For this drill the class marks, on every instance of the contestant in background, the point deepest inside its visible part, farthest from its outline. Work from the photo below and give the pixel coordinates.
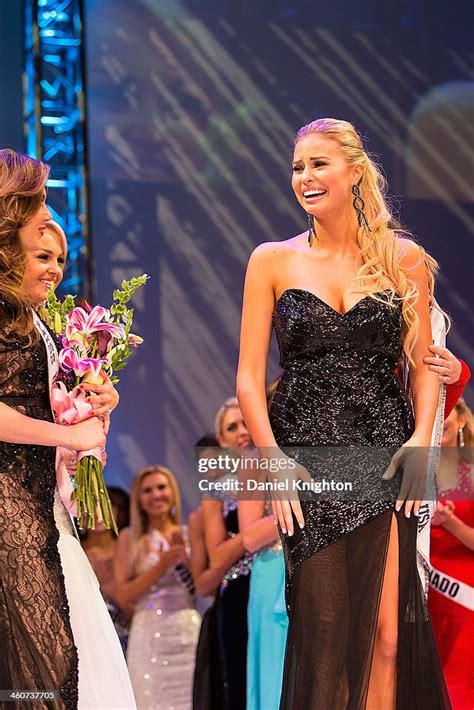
(99, 545)
(54, 622)
(225, 550)
(451, 595)
(267, 617)
(206, 578)
(151, 572)
(209, 691)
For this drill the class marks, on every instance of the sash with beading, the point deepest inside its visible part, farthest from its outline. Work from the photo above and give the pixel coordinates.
(63, 479)
(427, 508)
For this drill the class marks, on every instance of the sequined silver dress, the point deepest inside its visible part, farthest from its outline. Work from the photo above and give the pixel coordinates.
(339, 389)
(163, 637)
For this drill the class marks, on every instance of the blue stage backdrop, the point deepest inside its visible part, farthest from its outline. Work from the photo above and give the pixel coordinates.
(11, 68)
(192, 110)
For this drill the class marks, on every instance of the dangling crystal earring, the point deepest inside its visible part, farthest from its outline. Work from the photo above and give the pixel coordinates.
(359, 206)
(172, 511)
(311, 229)
(461, 441)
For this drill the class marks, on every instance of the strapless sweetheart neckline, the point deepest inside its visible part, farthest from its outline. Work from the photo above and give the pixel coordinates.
(324, 303)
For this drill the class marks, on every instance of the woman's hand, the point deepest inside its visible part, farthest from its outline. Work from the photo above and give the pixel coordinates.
(69, 459)
(170, 558)
(284, 507)
(104, 398)
(443, 513)
(177, 538)
(89, 434)
(412, 457)
(444, 363)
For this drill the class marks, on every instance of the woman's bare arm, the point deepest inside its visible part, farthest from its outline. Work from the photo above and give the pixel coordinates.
(17, 428)
(461, 530)
(257, 529)
(424, 382)
(206, 579)
(255, 334)
(223, 550)
(413, 455)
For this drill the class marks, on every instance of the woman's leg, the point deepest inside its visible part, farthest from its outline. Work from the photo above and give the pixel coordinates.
(383, 675)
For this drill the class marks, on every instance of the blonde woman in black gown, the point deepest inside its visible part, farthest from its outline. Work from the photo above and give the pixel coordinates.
(345, 299)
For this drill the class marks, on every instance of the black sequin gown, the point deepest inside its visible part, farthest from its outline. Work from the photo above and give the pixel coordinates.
(339, 388)
(220, 672)
(38, 651)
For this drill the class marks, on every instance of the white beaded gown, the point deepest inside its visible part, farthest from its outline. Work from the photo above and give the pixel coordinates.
(163, 637)
(103, 677)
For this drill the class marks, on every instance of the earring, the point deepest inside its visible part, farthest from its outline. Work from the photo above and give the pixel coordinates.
(461, 441)
(311, 229)
(172, 510)
(359, 206)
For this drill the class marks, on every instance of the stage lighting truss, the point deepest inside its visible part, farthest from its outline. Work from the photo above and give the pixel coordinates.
(55, 123)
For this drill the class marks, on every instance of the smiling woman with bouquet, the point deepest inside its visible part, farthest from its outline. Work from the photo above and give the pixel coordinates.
(59, 645)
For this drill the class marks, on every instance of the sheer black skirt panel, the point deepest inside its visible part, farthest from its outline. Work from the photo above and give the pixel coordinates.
(335, 599)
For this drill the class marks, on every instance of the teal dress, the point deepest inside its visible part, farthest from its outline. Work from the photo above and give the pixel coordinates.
(267, 629)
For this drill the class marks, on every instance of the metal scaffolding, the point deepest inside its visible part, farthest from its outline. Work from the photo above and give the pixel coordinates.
(55, 123)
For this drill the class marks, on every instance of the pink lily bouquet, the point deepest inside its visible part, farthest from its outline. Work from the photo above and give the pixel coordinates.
(93, 339)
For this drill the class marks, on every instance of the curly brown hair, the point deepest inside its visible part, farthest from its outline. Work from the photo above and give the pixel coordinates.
(22, 180)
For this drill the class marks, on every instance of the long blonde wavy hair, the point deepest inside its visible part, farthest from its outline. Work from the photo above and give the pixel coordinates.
(22, 180)
(380, 247)
(138, 518)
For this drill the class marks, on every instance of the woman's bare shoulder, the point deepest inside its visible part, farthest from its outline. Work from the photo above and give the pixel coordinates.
(410, 251)
(195, 519)
(124, 538)
(271, 252)
(195, 516)
(413, 259)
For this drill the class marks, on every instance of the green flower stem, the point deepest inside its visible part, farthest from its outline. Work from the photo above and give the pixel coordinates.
(91, 495)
